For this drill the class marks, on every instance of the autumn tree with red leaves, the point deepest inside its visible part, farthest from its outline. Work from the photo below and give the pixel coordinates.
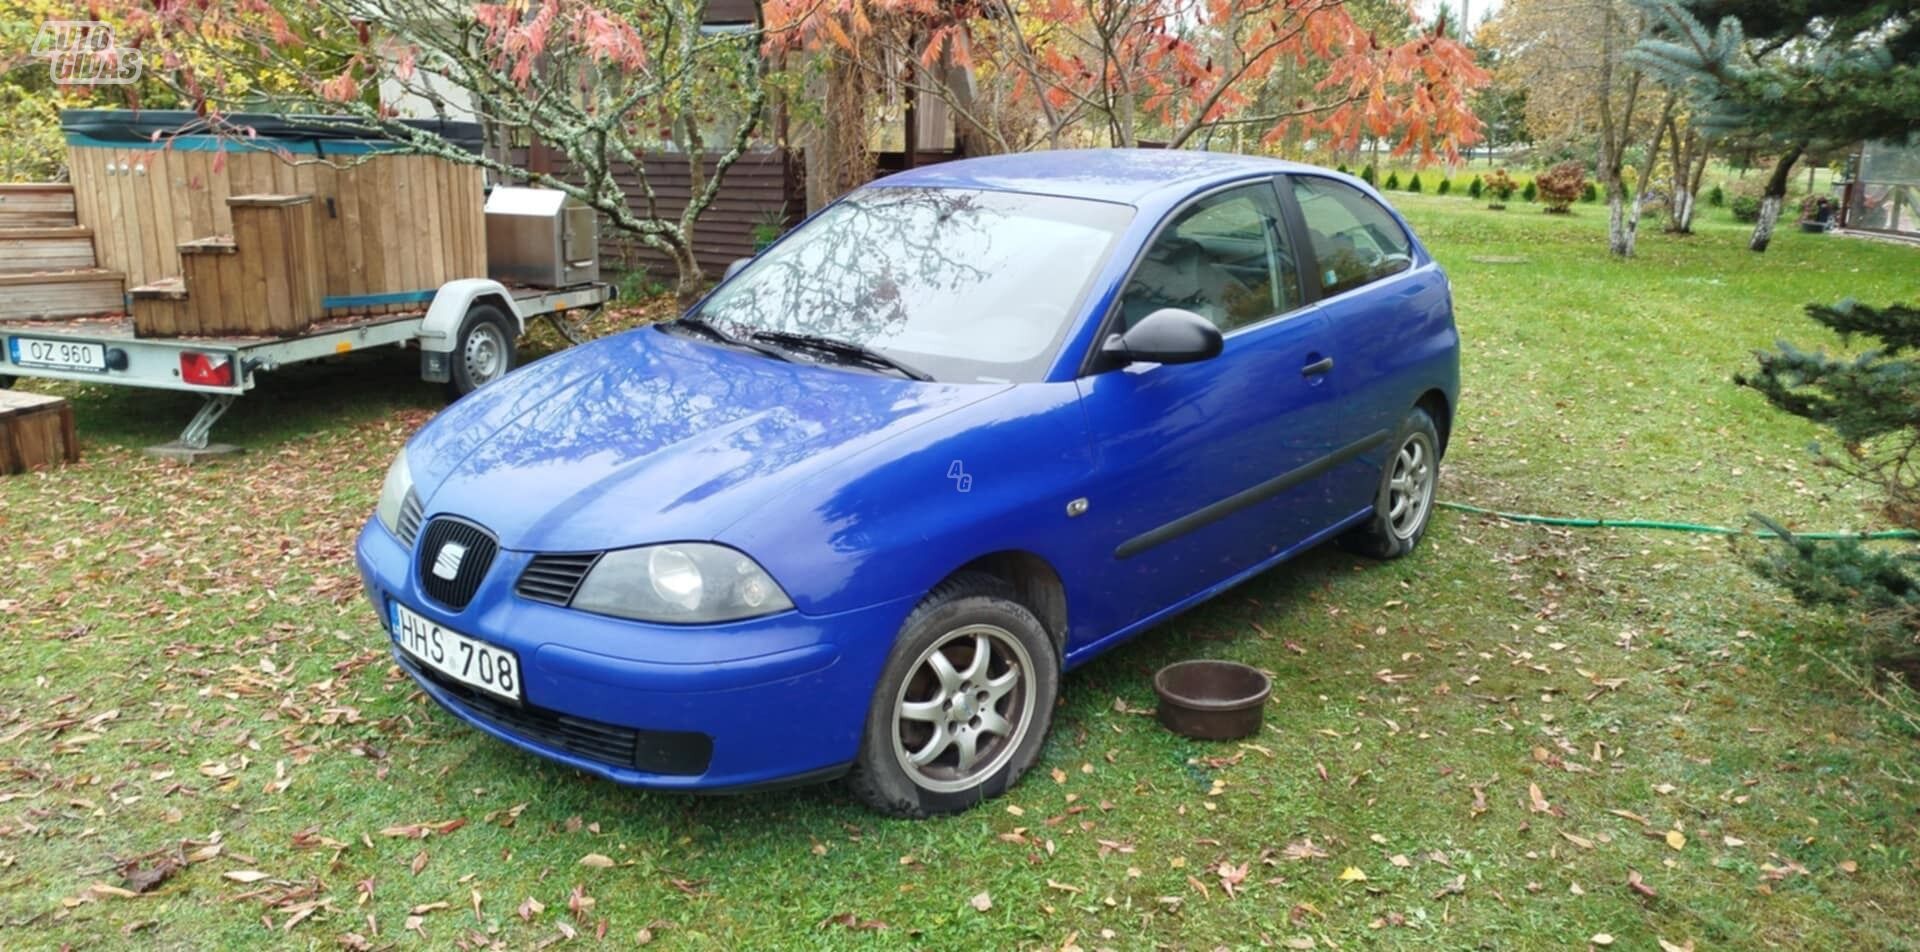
(1052, 73)
(603, 82)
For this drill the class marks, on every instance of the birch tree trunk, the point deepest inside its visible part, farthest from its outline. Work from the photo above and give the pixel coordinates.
(1645, 178)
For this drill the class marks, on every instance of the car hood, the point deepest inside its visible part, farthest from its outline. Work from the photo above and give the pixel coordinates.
(649, 437)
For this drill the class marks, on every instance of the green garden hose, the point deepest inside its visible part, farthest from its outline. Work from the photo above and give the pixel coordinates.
(1669, 526)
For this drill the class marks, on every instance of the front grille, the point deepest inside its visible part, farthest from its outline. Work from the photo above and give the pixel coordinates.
(474, 557)
(411, 512)
(684, 753)
(554, 578)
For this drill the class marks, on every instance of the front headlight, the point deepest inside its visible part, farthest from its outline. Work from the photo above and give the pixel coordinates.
(680, 583)
(393, 495)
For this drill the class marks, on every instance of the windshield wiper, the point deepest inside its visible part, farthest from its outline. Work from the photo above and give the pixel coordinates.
(707, 329)
(845, 350)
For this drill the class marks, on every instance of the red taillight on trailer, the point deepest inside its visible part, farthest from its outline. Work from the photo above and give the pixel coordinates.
(206, 370)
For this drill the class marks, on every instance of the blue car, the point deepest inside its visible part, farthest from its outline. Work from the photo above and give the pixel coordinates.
(970, 426)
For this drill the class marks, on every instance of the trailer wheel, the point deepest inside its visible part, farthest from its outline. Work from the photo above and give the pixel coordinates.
(482, 352)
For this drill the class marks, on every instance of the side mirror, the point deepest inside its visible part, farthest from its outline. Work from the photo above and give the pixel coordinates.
(1167, 336)
(734, 268)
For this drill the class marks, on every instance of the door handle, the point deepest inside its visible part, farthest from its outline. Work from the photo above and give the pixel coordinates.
(1317, 368)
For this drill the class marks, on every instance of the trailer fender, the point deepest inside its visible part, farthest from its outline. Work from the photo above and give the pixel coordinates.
(450, 306)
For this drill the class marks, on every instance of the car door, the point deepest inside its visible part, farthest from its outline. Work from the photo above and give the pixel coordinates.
(1207, 470)
(1386, 313)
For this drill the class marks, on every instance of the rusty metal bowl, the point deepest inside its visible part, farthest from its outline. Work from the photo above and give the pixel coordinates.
(1212, 700)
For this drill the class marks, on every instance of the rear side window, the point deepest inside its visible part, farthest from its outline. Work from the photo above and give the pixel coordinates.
(1355, 240)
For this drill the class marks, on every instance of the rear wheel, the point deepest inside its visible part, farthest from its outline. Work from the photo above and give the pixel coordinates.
(963, 705)
(1404, 501)
(6, 382)
(483, 351)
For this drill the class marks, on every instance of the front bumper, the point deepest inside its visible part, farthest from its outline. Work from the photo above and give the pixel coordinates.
(742, 704)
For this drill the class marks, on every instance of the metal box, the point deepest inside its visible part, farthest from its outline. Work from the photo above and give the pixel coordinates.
(541, 238)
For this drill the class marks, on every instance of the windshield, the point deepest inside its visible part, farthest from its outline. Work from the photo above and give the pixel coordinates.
(966, 285)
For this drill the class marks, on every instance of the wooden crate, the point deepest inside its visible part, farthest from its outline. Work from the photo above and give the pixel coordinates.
(35, 430)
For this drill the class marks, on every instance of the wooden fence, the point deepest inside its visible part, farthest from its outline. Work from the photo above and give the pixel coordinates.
(763, 187)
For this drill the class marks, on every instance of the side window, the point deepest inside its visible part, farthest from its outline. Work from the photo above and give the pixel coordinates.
(1354, 239)
(1223, 257)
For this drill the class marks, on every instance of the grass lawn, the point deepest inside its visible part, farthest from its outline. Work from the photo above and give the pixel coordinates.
(1520, 737)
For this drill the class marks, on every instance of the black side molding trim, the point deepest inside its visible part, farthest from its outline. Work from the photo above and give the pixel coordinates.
(1214, 512)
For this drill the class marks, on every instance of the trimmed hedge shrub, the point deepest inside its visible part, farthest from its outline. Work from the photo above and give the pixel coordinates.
(1367, 175)
(1413, 184)
(1446, 185)
(1475, 187)
(1529, 193)
(1393, 181)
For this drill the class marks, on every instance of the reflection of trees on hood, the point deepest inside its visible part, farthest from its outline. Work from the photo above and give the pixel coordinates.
(631, 400)
(853, 274)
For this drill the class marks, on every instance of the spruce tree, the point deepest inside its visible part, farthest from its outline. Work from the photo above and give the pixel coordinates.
(1804, 73)
(1872, 404)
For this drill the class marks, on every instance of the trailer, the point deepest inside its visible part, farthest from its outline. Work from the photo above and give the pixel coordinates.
(466, 338)
(181, 259)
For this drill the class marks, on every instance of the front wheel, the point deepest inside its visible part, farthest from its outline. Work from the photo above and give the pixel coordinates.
(1404, 502)
(483, 351)
(963, 705)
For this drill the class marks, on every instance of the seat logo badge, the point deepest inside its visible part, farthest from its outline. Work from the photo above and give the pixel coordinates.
(446, 565)
(1077, 507)
(961, 480)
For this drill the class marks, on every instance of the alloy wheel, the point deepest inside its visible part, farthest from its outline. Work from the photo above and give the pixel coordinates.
(963, 709)
(1410, 487)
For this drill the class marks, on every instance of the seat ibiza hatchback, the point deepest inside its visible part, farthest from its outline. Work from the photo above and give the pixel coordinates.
(964, 429)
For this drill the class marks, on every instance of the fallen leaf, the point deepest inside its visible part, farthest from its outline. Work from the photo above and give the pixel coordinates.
(145, 880)
(597, 861)
(1536, 801)
(846, 919)
(245, 875)
(530, 908)
(1676, 839)
(1352, 874)
(1601, 938)
(1639, 885)
(981, 902)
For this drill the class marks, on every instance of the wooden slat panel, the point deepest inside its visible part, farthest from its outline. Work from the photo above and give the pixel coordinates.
(35, 431)
(36, 205)
(80, 293)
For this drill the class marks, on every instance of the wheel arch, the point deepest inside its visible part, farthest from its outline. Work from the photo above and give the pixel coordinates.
(440, 329)
(1437, 406)
(1036, 584)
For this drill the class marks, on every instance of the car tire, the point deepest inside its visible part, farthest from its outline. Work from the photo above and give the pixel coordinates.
(927, 715)
(6, 382)
(483, 350)
(1403, 504)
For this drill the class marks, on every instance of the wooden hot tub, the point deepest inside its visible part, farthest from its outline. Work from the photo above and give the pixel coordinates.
(336, 223)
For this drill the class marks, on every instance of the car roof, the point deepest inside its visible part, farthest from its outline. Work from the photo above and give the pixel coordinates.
(1140, 177)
